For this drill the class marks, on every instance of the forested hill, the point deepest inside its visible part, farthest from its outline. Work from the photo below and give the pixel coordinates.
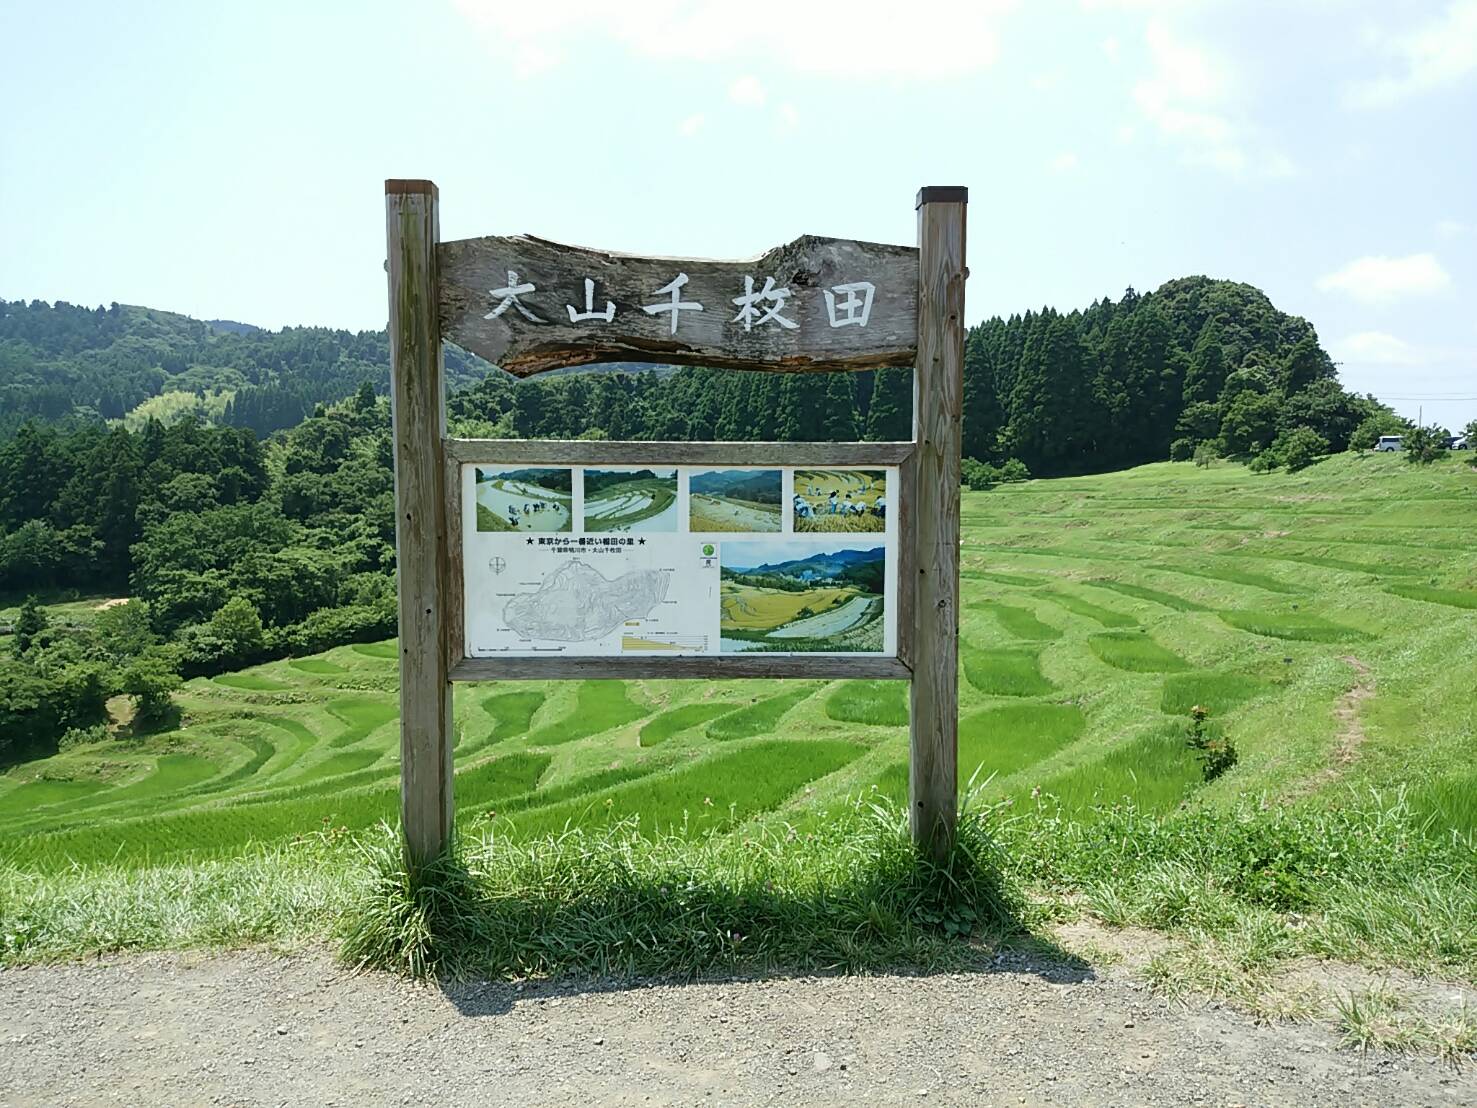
(60, 360)
(1121, 383)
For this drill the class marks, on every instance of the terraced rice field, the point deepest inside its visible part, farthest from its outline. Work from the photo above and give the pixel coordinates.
(1325, 620)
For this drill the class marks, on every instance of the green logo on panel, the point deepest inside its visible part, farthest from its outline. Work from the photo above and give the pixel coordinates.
(708, 550)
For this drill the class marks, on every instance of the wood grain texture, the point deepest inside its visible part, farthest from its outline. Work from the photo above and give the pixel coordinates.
(456, 578)
(418, 415)
(727, 666)
(587, 452)
(907, 552)
(937, 406)
(537, 332)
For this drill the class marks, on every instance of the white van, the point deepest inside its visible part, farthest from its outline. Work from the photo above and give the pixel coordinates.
(1389, 443)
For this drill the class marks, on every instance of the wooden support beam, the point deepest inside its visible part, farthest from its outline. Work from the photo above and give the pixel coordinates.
(938, 393)
(418, 413)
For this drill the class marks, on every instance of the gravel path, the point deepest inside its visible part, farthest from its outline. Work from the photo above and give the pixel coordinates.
(259, 1029)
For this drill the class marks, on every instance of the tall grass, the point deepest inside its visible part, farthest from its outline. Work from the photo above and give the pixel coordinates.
(877, 703)
(1154, 772)
(599, 706)
(1155, 596)
(759, 718)
(1108, 617)
(1452, 598)
(1134, 652)
(1020, 622)
(852, 895)
(675, 720)
(1218, 693)
(1004, 672)
(1300, 626)
(703, 796)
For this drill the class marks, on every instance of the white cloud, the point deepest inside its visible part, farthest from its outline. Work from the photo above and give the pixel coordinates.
(1064, 162)
(873, 38)
(1436, 54)
(1112, 47)
(691, 125)
(789, 117)
(1378, 348)
(1188, 97)
(1379, 280)
(1452, 229)
(747, 91)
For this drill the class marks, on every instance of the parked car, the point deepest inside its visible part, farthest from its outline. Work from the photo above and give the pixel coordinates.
(1463, 442)
(1389, 444)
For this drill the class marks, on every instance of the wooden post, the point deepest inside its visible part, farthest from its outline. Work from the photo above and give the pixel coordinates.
(418, 413)
(938, 393)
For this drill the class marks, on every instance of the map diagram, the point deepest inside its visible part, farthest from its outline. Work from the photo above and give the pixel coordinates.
(577, 603)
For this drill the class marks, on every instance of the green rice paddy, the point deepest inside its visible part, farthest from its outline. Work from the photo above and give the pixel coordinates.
(1096, 613)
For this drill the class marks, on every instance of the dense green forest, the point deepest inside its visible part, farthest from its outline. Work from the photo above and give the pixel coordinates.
(263, 525)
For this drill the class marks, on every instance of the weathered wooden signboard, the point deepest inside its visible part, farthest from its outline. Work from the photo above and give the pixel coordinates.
(563, 559)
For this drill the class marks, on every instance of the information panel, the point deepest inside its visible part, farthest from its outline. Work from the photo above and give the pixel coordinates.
(596, 561)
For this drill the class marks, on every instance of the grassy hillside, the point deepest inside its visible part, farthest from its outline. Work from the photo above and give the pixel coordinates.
(1325, 620)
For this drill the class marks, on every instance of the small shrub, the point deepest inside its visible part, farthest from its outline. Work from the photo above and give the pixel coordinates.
(1206, 454)
(1014, 470)
(83, 736)
(1217, 753)
(1299, 448)
(978, 476)
(1182, 450)
(1265, 462)
(1424, 445)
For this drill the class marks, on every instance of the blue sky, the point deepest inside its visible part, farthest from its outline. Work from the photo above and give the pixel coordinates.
(227, 160)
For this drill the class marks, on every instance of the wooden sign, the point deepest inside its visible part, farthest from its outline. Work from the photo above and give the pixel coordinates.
(528, 305)
(528, 559)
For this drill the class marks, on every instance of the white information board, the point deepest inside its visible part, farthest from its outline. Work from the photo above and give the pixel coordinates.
(593, 561)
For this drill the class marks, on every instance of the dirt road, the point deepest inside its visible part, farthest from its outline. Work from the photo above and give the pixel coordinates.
(259, 1029)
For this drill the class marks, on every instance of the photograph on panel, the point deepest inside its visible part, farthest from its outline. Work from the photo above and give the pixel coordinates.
(840, 500)
(526, 499)
(627, 500)
(802, 596)
(735, 500)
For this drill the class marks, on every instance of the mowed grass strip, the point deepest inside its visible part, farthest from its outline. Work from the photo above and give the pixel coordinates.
(663, 727)
(1108, 617)
(1298, 626)
(704, 796)
(1452, 598)
(1217, 693)
(1231, 576)
(877, 703)
(599, 706)
(1019, 622)
(1004, 672)
(217, 831)
(756, 719)
(1134, 652)
(1016, 579)
(1154, 596)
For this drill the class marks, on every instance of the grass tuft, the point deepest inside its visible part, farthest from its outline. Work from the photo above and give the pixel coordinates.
(852, 896)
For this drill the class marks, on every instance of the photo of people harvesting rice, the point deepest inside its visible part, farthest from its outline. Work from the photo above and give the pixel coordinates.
(802, 597)
(630, 500)
(735, 500)
(524, 499)
(840, 500)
